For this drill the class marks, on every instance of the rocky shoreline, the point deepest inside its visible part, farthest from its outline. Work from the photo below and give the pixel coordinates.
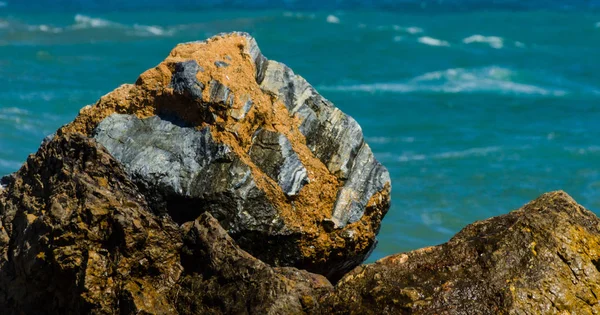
(223, 183)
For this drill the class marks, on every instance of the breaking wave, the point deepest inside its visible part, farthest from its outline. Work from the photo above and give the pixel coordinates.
(332, 19)
(483, 151)
(83, 23)
(430, 41)
(491, 79)
(493, 41)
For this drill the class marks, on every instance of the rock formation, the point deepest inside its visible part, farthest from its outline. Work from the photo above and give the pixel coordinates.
(76, 237)
(222, 278)
(209, 185)
(217, 127)
(541, 259)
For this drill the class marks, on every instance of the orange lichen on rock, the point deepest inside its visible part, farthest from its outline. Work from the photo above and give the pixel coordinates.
(152, 95)
(225, 64)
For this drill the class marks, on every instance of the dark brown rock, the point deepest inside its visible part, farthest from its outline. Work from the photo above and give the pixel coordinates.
(541, 259)
(82, 238)
(223, 279)
(77, 237)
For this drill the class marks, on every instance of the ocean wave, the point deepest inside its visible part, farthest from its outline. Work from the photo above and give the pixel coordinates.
(151, 30)
(430, 41)
(491, 79)
(44, 28)
(3, 4)
(593, 149)
(481, 151)
(84, 21)
(298, 15)
(405, 29)
(410, 29)
(14, 110)
(597, 24)
(10, 164)
(81, 24)
(409, 157)
(493, 41)
(385, 140)
(332, 19)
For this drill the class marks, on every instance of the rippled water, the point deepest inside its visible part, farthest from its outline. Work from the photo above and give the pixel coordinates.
(473, 113)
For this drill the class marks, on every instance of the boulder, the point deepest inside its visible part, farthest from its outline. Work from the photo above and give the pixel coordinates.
(220, 278)
(541, 259)
(217, 127)
(77, 237)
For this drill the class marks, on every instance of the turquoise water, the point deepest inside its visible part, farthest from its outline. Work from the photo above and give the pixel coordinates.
(473, 113)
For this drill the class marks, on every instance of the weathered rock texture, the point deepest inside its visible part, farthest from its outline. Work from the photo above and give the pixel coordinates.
(76, 237)
(217, 127)
(222, 278)
(541, 259)
(161, 198)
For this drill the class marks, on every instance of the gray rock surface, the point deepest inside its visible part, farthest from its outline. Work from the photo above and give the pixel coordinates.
(184, 79)
(334, 137)
(185, 168)
(273, 153)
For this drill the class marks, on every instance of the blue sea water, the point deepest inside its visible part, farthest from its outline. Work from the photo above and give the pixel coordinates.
(474, 110)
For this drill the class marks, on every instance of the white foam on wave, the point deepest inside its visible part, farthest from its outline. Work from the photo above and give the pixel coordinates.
(457, 80)
(14, 110)
(430, 41)
(410, 29)
(597, 24)
(467, 153)
(493, 41)
(481, 151)
(88, 22)
(593, 149)
(385, 140)
(409, 157)
(519, 44)
(298, 15)
(16, 25)
(84, 21)
(44, 28)
(151, 30)
(333, 19)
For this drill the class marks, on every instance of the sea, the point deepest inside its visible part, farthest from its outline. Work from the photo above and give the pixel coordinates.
(474, 109)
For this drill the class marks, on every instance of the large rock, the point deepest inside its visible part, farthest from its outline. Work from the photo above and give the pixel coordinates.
(541, 259)
(223, 279)
(76, 237)
(217, 127)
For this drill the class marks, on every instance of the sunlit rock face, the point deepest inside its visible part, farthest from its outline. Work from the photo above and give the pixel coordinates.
(216, 127)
